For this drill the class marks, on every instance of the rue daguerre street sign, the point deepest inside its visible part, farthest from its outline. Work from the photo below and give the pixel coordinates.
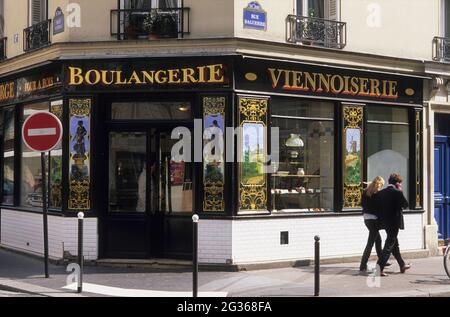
(41, 132)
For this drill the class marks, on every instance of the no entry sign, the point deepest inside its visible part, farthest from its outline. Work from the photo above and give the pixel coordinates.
(42, 131)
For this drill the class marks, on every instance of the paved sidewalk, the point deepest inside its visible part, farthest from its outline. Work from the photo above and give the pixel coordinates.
(25, 274)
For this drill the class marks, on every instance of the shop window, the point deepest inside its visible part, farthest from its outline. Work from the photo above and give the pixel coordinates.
(8, 156)
(31, 172)
(388, 143)
(305, 177)
(151, 111)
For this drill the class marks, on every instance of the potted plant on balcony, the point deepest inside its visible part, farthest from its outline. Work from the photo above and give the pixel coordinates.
(307, 27)
(159, 25)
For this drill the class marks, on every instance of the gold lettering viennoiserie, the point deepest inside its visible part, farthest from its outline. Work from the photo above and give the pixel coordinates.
(208, 74)
(335, 84)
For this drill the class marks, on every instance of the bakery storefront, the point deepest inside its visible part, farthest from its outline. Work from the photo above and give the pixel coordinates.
(309, 138)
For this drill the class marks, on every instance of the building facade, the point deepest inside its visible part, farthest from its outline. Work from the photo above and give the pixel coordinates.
(130, 79)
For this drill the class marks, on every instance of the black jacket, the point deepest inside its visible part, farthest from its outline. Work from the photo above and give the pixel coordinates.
(371, 205)
(392, 204)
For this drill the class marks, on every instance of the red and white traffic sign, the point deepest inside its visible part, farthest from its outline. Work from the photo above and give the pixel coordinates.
(42, 131)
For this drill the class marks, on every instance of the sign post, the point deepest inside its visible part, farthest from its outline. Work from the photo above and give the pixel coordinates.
(41, 132)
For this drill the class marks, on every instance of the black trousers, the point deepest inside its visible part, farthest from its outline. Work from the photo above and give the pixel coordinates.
(374, 238)
(391, 246)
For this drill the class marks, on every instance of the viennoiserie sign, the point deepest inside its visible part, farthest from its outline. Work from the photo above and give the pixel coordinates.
(337, 83)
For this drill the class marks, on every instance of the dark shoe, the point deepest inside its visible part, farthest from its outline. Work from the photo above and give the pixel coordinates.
(383, 274)
(405, 267)
(363, 268)
(387, 264)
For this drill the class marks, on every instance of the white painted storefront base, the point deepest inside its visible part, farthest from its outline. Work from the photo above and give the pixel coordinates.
(23, 231)
(258, 240)
(242, 241)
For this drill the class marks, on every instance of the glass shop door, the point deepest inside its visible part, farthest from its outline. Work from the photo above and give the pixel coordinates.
(149, 197)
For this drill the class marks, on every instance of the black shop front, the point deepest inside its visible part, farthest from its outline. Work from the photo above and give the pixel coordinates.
(337, 128)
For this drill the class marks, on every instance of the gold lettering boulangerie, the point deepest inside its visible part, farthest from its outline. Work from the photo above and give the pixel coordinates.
(208, 74)
(335, 84)
(7, 91)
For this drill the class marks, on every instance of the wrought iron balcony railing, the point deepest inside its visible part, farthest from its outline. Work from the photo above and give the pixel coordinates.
(316, 31)
(150, 24)
(3, 48)
(441, 49)
(36, 36)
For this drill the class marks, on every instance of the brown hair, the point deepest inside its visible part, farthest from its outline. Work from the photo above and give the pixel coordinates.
(395, 178)
(375, 186)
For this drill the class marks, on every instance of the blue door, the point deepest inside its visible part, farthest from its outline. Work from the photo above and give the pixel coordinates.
(442, 185)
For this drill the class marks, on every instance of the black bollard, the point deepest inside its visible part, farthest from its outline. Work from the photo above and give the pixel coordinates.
(195, 256)
(80, 251)
(316, 265)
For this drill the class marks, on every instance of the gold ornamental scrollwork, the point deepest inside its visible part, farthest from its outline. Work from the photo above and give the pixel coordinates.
(214, 105)
(353, 116)
(253, 197)
(253, 110)
(57, 110)
(213, 186)
(80, 107)
(352, 196)
(79, 195)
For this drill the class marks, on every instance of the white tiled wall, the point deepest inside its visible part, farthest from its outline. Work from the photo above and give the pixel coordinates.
(258, 240)
(24, 231)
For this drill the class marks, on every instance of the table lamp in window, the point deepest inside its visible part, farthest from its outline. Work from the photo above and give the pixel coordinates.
(294, 141)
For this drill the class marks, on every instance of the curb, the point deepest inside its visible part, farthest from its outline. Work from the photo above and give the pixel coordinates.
(21, 287)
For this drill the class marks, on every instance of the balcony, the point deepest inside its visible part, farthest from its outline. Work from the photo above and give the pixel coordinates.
(3, 48)
(441, 49)
(150, 24)
(36, 36)
(316, 31)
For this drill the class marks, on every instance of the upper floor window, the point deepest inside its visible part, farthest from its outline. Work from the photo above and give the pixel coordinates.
(2, 20)
(38, 11)
(149, 4)
(316, 22)
(323, 9)
(446, 18)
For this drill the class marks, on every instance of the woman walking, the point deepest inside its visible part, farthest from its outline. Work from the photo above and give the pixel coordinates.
(371, 204)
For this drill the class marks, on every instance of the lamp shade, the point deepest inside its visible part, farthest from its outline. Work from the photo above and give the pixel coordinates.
(294, 141)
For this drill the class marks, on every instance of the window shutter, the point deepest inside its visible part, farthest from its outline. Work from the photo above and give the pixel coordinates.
(35, 11)
(2, 20)
(333, 10)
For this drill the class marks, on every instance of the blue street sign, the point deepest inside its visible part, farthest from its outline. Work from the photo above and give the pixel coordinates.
(255, 17)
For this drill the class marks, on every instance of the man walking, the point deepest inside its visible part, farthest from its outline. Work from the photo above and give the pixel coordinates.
(392, 202)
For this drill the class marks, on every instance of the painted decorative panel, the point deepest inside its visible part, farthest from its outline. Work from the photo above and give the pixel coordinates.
(79, 160)
(214, 154)
(353, 155)
(55, 195)
(253, 142)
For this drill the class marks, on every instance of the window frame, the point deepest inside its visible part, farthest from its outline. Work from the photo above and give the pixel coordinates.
(43, 17)
(336, 157)
(411, 146)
